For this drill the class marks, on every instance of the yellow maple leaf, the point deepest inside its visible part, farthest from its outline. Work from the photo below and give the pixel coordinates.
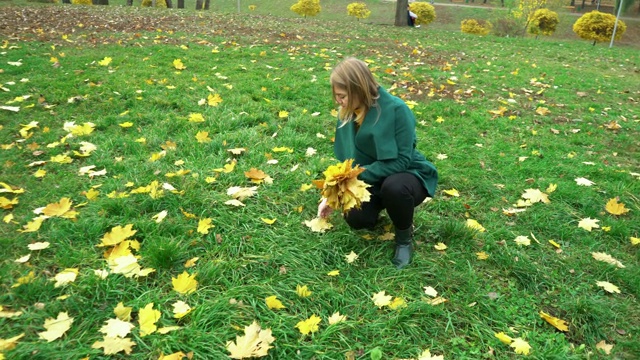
(303, 291)
(40, 173)
(191, 262)
(181, 309)
(318, 224)
(602, 345)
(615, 208)
(116, 327)
(499, 112)
(56, 327)
(503, 338)
(336, 318)
(283, 114)
(609, 287)
(38, 245)
(268, 221)
(426, 355)
(522, 240)
(185, 283)
(177, 63)
(333, 273)
(126, 124)
(440, 246)
(273, 303)
(482, 255)
(227, 168)
(123, 312)
(59, 208)
(542, 111)
(452, 192)
(397, 303)
(117, 235)
(474, 224)
(554, 321)
(203, 137)
(634, 240)
(214, 100)
(241, 193)
(204, 225)
(351, 257)
(147, 318)
(520, 346)
(6, 203)
(255, 342)
(113, 345)
(196, 117)
(10, 343)
(33, 225)
(588, 224)
(105, 62)
(309, 325)
(66, 276)
(535, 195)
(175, 356)
(381, 299)
(551, 188)
(282, 149)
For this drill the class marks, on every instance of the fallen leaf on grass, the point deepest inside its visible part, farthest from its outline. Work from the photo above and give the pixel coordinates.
(255, 342)
(351, 257)
(147, 318)
(584, 182)
(440, 246)
(426, 355)
(522, 240)
(474, 224)
(615, 208)
(336, 318)
(184, 283)
(116, 328)
(452, 192)
(273, 303)
(381, 299)
(600, 256)
(520, 346)
(38, 245)
(66, 276)
(56, 327)
(309, 325)
(588, 224)
(506, 339)
(181, 309)
(303, 291)
(10, 343)
(554, 321)
(318, 225)
(608, 287)
(602, 345)
(113, 345)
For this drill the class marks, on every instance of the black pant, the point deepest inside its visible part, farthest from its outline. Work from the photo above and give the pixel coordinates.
(399, 194)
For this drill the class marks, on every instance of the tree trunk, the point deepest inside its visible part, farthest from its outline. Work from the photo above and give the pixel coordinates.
(582, 8)
(206, 4)
(402, 13)
(169, 4)
(95, 2)
(198, 4)
(180, 4)
(573, 3)
(153, 3)
(103, 2)
(129, 2)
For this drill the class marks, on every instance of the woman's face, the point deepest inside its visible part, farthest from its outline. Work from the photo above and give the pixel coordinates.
(342, 99)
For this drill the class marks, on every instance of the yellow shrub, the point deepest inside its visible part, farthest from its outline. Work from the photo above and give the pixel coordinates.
(306, 7)
(425, 11)
(477, 27)
(543, 21)
(159, 3)
(359, 10)
(81, 2)
(598, 26)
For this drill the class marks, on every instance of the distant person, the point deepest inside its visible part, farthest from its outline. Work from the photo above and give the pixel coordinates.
(412, 17)
(378, 131)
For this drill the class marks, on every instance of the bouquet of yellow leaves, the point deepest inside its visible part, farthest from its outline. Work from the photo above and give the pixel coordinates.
(341, 186)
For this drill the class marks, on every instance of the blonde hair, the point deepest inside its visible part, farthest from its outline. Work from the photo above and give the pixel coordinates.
(354, 76)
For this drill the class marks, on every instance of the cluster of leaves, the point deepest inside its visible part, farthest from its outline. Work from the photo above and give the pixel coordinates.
(159, 3)
(476, 27)
(82, 2)
(306, 7)
(425, 11)
(543, 21)
(358, 10)
(598, 26)
(342, 188)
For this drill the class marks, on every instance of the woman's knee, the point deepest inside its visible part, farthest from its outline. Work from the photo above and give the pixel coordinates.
(356, 221)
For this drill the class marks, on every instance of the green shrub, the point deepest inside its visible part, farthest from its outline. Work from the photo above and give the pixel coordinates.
(598, 27)
(81, 2)
(543, 21)
(159, 3)
(506, 27)
(477, 27)
(359, 10)
(426, 13)
(306, 7)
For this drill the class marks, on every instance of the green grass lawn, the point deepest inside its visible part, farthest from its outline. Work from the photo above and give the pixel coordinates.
(96, 114)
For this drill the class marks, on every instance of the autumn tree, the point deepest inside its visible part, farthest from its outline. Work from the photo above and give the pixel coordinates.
(543, 21)
(598, 27)
(306, 7)
(359, 10)
(402, 16)
(526, 8)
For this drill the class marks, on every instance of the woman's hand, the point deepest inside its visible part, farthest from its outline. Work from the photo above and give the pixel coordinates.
(324, 210)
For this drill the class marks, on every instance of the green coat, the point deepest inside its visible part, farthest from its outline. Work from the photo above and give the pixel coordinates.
(385, 144)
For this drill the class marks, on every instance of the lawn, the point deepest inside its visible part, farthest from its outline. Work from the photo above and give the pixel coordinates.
(124, 133)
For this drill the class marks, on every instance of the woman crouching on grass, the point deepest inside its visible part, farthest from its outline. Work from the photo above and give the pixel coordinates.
(378, 131)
